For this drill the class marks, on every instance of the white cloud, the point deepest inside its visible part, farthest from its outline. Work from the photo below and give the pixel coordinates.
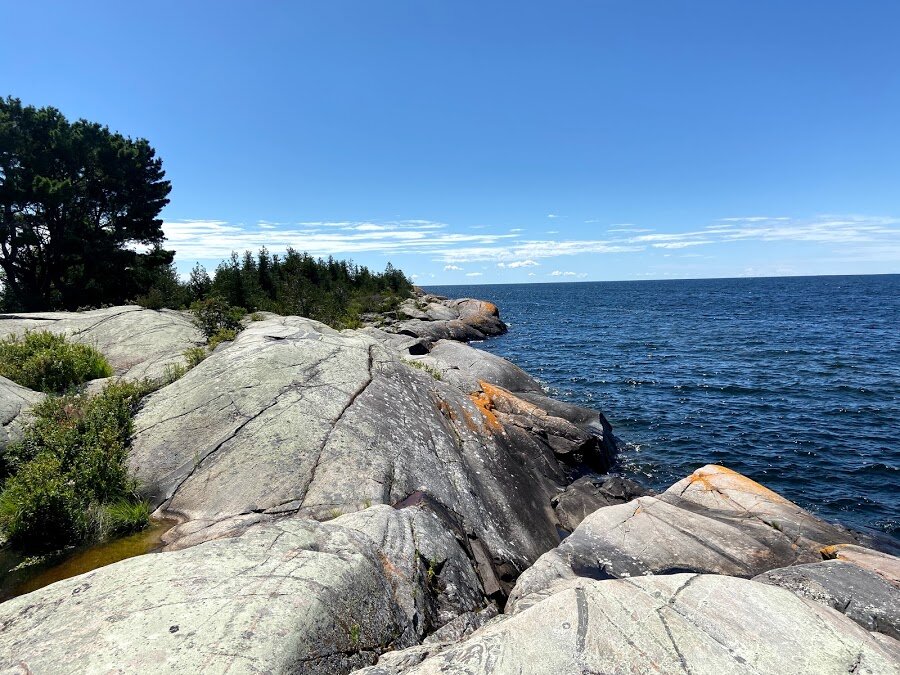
(682, 244)
(628, 229)
(553, 215)
(876, 237)
(518, 263)
(474, 274)
(752, 219)
(194, 239)
(557, 273)
(517, 229)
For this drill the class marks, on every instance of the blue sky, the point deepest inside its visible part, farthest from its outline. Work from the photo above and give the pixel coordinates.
(499, 142)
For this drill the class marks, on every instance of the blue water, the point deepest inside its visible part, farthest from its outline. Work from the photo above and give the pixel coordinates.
(794, 382)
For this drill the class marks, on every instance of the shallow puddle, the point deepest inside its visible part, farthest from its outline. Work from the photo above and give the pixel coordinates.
(19, 578)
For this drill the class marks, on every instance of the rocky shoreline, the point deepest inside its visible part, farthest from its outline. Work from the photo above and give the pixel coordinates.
(393, 500)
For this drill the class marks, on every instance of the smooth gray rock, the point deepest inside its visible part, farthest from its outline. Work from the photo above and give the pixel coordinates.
(422, 544)
(137, 342)
(716, 521)
(860, 594)
(589, 493)
(884, 565)
(290, 596)
(15, 401)
(465, 367)
(674, 624)
(295, 417)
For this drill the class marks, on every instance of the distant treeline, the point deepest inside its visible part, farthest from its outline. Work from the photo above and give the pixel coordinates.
(335, 292)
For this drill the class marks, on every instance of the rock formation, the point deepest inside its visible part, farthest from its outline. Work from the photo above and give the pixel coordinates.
(714, 521)
(14, 401)
(137, 342)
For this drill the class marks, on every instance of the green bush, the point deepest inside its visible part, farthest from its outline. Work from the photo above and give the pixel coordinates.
(70, 464)
(195, 355)
(48, 362)
(154, 299)
(40, 508)
(214, 314)
(220, 336)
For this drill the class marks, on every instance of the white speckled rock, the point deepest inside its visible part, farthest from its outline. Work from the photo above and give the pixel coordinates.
(672, 625)
(295, 417)
(716, 521)
(863, 595)
(137, 342)
(290, 596)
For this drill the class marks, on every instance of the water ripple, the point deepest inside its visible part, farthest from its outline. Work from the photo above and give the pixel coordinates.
(794, 382)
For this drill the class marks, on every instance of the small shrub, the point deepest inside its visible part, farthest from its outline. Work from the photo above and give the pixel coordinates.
(172, 372)
(47, 362)
(70, 467)
(154, 299)
(431, 370)
(214, 314)
(220, 336)
(195, 355)
(256, 316)
(40, 508)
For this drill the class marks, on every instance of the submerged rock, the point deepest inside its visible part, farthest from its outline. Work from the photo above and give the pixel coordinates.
(681, 623)
(137, 342)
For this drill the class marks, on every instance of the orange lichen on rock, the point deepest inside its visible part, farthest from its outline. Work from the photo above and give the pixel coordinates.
(887, 566)
(729, 483)
(507, 402)
(482, 401)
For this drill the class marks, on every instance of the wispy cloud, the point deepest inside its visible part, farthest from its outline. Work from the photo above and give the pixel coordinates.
(628, 229)
(217, 238)
(474, 274)
(518, 263)
(753, 219)
(212, 239)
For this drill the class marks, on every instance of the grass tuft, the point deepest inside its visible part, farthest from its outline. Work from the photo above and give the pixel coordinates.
(419, 365)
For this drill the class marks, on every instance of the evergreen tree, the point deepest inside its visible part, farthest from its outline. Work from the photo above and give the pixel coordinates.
(76, 200)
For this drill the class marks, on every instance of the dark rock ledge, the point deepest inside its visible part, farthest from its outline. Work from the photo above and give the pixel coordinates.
(389, 497)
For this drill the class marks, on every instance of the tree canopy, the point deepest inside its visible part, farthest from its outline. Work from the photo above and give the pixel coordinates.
(335, 292)
(76, 202)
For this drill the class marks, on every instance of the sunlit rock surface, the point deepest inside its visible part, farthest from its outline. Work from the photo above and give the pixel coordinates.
(137, 342)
